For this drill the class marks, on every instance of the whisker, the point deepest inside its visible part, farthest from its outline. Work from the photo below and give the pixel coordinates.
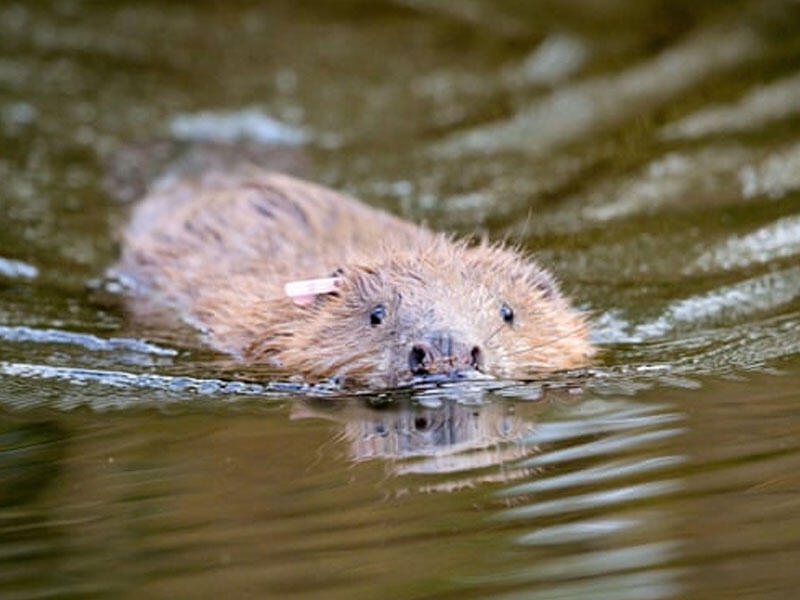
(551, 341)
(491, 335)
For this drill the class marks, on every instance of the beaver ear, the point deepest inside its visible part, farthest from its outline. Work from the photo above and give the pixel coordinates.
(543, 281)
(364, 281)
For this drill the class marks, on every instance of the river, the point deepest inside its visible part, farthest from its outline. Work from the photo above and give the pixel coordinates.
(648, 152)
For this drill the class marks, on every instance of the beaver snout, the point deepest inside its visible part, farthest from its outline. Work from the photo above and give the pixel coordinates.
(440, 352)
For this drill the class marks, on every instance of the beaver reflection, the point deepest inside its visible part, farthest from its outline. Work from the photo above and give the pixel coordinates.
(484, 440)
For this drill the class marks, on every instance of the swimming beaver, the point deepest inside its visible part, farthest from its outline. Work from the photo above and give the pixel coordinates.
(401, 302)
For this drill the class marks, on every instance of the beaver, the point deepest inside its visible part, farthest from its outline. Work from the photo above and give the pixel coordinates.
(402, 302)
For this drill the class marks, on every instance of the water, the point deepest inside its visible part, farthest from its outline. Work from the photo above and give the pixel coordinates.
(648, 152)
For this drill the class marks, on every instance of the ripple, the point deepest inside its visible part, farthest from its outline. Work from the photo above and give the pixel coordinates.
(764, 103)
(758, 294)
(644, 585)
(577, 531)
(177, 385)
(609, 420)
(599, 563)
(555, 59)
(774, 177)
(230, 126)
(599, 474)
(747, 346)
(778, 240)
(573, 111)
(17, 269)
(665, 182)
(84, 340)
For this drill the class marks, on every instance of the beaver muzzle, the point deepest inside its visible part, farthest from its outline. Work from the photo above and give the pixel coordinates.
(440, 352)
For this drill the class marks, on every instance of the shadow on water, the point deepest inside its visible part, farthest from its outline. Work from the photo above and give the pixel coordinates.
(647, 151)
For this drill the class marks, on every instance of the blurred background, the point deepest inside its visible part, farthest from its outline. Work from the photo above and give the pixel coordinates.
(648, 152)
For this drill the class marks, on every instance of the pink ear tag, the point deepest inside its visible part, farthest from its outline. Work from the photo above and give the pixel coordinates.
(306, 291)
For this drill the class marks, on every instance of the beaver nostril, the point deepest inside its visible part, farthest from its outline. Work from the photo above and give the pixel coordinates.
(419, 359)
(476, 358)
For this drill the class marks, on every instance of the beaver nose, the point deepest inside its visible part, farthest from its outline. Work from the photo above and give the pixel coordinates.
(420, 359)
(439, 351)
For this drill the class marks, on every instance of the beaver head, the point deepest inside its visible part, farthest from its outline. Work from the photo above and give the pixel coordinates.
(450, 310)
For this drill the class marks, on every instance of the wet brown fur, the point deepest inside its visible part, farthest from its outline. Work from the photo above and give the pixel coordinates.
(220, 250)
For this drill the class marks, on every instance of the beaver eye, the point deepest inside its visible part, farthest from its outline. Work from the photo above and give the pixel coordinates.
(507, 313)
(377, 315)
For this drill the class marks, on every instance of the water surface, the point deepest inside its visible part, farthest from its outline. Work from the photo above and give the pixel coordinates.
(648, 152)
